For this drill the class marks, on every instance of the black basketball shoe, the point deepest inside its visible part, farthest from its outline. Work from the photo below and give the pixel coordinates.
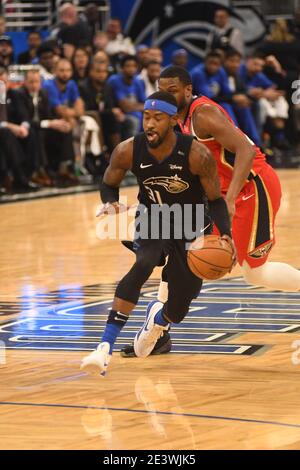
(163, 346)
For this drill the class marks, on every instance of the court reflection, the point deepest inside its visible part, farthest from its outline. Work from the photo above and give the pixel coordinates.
(151, 411)
(164, 413)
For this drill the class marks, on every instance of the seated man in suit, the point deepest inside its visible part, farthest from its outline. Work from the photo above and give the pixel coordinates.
(52, 137)
(15, 141)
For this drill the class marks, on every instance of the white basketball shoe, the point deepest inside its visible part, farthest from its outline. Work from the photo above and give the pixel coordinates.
(150, 332)
(97, 361)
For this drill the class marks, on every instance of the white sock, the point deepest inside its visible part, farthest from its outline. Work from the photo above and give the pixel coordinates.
(162, 295)
(277, 276)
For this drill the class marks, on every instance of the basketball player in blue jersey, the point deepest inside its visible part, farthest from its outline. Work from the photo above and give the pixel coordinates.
(170, 169)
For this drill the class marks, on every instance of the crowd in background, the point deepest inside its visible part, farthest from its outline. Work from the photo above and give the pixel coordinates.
(83, 90)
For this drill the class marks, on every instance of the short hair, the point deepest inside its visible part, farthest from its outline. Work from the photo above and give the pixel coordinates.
(163, 96)
(115, 18)
(44, 48)
(224, 10)
(174, 71)
(232, 53)
(257, 55)
(63, 59)
(128, 58)
(94, 62)
(213, 55)
(34, 32)
(33, 70)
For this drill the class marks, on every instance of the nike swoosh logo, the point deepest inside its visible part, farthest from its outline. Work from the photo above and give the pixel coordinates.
(244, 198)
(144, 166)
(203, 229)
(146, 326)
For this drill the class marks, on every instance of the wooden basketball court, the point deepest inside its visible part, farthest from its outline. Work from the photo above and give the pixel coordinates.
(233, 381)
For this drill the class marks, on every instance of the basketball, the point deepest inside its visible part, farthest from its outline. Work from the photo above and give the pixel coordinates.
(210, 257)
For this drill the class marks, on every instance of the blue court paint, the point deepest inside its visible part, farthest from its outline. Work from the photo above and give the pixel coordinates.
(74, 317)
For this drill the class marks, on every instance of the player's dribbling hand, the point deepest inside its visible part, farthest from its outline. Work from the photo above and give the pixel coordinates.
(231, 243)
(111, 208)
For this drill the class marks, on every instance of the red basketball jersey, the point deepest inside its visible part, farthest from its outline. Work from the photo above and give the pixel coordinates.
(224, 158)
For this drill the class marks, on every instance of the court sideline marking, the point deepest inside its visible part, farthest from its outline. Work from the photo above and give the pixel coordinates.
(167, 413)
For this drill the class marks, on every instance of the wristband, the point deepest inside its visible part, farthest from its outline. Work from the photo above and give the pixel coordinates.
(219, 214)
(109, 193)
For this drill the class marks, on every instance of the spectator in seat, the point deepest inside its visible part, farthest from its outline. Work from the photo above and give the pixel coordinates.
(32, 107)
(180, 58)
(6, 51)
(238, 98)
(270, 106)
(97, 95)
(71, 29)
(118, 44)
(34, 41)
(225, 36)
(92, 17)
(142, 55)
(100, 41)
(129, 96)
(13, 158)
(80, 62)
(150, 75)
(210, 79)
(66, 103)
(102, 58)
(156, 53)
(46, 56)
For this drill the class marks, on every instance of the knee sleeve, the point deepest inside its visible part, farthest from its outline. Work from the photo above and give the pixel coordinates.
(129, 287)
(176, 312)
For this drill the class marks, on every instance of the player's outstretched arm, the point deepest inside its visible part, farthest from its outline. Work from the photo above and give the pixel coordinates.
(215, 124)
(203, 164)
(120, 162)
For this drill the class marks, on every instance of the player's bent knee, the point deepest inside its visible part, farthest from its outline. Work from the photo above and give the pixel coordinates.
(176, 315)
(145, 265)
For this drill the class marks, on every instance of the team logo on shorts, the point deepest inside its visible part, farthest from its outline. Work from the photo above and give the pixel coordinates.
(262, 251)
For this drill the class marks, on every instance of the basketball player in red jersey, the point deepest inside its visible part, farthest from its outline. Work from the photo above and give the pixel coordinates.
(249, 185)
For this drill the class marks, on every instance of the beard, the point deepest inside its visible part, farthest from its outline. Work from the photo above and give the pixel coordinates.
(157, 143)
(63, 81)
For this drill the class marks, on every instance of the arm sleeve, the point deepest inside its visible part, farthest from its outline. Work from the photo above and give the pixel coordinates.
(108, 193)
(219, 214)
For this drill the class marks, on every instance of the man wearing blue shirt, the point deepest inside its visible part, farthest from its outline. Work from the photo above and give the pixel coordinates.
(66, 104)
(129, 96)
(63, 92)
(209, 79)
(268, 102)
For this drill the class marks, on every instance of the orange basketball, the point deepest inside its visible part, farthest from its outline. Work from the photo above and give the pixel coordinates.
(210, 257)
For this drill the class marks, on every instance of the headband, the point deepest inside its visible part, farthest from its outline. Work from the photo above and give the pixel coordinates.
(159, 105)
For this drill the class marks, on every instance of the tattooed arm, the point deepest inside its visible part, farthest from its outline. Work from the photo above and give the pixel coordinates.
(203, 164)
